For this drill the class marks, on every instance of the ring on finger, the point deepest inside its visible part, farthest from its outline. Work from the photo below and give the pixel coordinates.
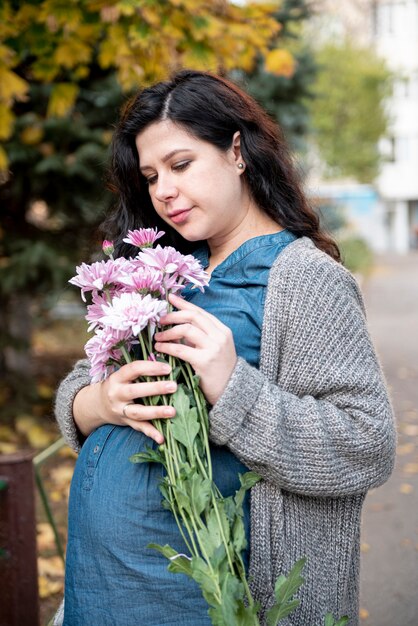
(125, 407)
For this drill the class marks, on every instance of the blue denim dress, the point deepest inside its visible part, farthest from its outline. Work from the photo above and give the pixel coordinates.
(115, 509)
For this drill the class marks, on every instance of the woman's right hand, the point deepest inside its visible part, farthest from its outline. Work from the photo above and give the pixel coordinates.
(112, 401)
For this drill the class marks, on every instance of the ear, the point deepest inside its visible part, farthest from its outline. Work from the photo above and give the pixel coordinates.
(236, 147)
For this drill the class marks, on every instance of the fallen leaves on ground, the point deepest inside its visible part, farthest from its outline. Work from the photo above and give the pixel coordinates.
(410, 468)
(45, 537)
(35, 431)
(406, 488)
(364, 613)
(409, 429)
(49, 587)
(405, 448)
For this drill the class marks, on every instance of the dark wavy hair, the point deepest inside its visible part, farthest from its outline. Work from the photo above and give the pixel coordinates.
(211, 108)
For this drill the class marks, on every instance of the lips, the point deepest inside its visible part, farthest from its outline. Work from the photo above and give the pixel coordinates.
(179, 216)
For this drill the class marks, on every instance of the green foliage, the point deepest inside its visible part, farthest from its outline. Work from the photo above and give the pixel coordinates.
(331, 621)
(356, 254)
(348, 113)
(212, 526)
(284, 590)
(285, 96)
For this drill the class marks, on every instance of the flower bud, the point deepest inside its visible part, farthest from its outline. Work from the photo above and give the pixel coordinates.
(108, 247)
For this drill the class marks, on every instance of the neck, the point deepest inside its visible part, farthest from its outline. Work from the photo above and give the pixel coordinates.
(254, 224)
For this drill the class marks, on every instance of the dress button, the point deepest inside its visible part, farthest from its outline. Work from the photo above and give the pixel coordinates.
(96, 449)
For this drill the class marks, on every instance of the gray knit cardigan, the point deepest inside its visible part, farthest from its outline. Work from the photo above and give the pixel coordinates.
(314, 421)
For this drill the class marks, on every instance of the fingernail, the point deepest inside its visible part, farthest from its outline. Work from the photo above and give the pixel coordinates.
(169, 411)
(171, 386)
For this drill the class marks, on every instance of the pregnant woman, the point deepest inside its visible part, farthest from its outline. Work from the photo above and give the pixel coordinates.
(280, 343)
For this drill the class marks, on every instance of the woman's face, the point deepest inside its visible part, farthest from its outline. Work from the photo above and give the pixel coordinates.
(194, 187)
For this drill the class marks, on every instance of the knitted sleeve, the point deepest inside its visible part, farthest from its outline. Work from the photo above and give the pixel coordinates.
(321, 423)
(68, 389)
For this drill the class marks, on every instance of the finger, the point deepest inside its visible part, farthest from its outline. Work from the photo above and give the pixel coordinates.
(140, 412)
(184, 305)
(202, 320)
(194, 336)
(148, 429)
(178, 350)
(133, 370)
(143, 390)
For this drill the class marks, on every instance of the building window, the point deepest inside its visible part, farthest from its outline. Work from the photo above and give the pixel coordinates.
(390, 18)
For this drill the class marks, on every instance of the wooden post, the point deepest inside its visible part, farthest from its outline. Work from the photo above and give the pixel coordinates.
(19, 604)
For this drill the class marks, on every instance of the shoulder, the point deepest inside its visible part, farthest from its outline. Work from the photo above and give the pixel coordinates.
(303, 272)
(304, 278)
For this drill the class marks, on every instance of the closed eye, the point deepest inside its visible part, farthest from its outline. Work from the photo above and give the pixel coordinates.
(178, 167)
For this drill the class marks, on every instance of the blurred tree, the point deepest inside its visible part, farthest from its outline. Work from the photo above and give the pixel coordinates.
(65, 68)
(282, 80)
(348, 114)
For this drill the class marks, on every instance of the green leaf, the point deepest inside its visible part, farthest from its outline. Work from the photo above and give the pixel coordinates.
(185, 426)
(181, 565)
(166, 550)
(202, 575)
(284, 589)
(180, 401)
(210, 536)
(238, 535)
(200, 490)
(247, 480)
(278, 612)
(330, 620)
(148, 456)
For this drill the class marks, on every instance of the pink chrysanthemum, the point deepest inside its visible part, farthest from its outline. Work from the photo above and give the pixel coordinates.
(95, 311)
(143, 237)
(133, 311)
(181, 267)
(142, 279)
(97, 276)
(105, 347)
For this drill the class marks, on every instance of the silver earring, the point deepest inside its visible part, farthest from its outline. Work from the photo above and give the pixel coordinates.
(240, 166)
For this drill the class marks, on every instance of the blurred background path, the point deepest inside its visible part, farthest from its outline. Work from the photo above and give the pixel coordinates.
(389, 594)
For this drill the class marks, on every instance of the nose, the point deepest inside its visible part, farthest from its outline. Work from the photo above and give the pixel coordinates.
(165, 189)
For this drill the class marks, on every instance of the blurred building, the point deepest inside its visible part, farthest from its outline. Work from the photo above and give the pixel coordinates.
(395, 36)
(389, 217)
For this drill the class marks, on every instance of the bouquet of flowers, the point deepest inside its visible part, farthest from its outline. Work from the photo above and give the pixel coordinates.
(128, 298)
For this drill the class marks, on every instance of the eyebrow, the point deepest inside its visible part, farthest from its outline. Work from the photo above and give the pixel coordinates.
(166, 157)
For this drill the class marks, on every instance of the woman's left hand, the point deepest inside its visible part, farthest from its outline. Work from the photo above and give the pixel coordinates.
(203, 341)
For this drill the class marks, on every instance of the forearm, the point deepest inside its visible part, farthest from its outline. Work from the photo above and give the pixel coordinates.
(333, 446)
(67, 391)
(87, 409)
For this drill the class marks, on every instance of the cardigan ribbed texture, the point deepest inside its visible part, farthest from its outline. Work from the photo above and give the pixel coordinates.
(314, 421)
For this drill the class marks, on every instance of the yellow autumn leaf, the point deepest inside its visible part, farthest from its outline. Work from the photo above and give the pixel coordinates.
(38, 437)
(31, 135)
(62, 98)
(7, 447)
(11, 85)
(4, 161)
(406, 488)
(45, 538)
(52, 566)
(48, 587)
(280, 62)
(45, 391)
(72, 53)
(23, 422)
(7, 434)
(410, 468)
(62, 475)
(6, 121)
